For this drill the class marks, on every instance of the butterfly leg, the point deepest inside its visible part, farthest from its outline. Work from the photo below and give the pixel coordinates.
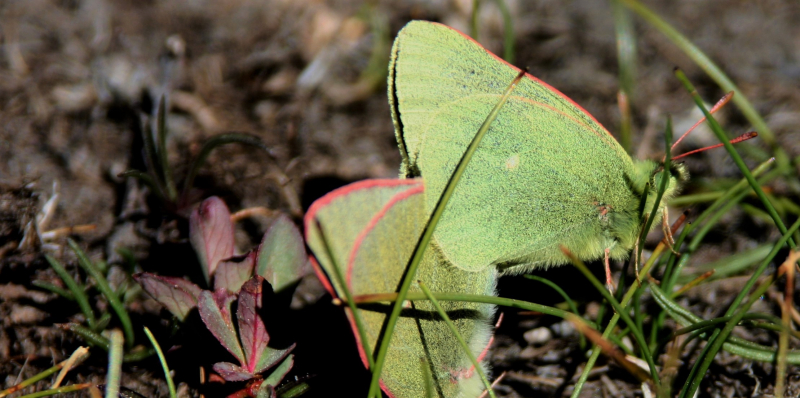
(668, 238)
(609, 283)
(636, 261)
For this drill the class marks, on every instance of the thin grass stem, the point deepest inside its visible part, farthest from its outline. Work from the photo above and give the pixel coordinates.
(105, 288)
(163, 360)
(459, 337)
(77, 291)
(427, 234)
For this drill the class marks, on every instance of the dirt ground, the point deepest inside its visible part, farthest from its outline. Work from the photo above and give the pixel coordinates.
(75, 76)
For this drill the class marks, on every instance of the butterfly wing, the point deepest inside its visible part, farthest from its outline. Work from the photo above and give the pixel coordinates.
(545, 174)
(389, 216)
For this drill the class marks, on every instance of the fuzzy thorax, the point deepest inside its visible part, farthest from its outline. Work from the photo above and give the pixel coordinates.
(645, 184)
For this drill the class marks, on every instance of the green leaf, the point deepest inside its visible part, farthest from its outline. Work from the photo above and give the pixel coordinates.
(282, 258)
(280, 372)
(215, 311)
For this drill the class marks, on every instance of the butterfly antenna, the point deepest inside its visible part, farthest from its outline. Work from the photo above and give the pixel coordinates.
(743, 137)
(677, 224)
(722, 102)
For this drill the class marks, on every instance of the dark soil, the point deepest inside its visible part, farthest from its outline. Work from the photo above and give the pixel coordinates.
(75, 76)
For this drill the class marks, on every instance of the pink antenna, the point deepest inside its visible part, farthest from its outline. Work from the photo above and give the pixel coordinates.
(743, 137)
(722, 102)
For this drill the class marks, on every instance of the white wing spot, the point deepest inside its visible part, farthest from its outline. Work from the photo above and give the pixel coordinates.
(512, 163)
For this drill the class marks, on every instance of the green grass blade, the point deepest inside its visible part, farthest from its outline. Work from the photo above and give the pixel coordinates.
(114, 365)
(716, 340)
(362, 331)
(626, 60)
(103, 286)
(734, 345)
(472, 298)
(459, 337)
(687, 200)
(55, 289)
(147, 179)
(80, 355)
(508, 28)
(711, 69)
(161, 132)
(473, 20)
(152, 160)
(102, 322)
(665, 177)
(626, 299)
(88, 335)
(728, 266)
(427, 234)
(717, 129)
(137, 354)
(426, 373)
(560, 291)
(508, 32)
(77, 291)
(60, 390)
(621, 312)
(732, 195)
(164, 366)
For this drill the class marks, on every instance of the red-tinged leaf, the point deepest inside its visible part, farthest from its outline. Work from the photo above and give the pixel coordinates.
(280, 372)
(224, 298)
(177, 295)
(251, 326)
(282, 258)
(234, 272)
(269, 357)
(211, 234)
(231, 372)
(215, 311)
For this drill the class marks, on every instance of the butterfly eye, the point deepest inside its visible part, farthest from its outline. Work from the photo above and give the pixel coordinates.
(678, 170)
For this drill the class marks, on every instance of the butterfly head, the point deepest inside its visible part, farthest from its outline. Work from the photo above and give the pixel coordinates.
(676, 176)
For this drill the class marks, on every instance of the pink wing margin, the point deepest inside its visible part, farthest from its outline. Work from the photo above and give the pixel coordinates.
(416, 188)
(529, 76)
(326, 200)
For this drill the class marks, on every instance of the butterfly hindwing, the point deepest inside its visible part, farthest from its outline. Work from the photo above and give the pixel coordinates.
(376, 260)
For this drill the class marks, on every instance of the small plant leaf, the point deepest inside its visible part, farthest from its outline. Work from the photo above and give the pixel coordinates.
(282, 258)
(251, 326)
(211, 234)
(269, 357)
(177, 295)
(232, 273)
(231, 372)
(280, 372)
(215, 311)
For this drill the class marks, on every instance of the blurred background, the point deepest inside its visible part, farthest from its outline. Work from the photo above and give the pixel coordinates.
(308, 78)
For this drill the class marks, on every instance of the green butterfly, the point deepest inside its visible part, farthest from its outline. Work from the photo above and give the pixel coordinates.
(546, 175)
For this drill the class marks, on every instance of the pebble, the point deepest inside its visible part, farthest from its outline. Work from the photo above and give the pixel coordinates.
(538, 336)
